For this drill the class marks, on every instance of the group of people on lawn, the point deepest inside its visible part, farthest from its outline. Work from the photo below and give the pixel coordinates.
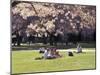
(51, 53)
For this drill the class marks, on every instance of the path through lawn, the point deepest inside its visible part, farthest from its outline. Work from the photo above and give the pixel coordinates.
(23, 62)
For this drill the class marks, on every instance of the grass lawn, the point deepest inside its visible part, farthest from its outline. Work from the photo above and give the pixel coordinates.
(24, 62)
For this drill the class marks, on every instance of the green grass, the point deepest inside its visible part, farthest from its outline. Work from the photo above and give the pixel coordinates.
(23, 62)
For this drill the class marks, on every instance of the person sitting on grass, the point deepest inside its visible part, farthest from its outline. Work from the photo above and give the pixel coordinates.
(46, 53)
(51, 53)
(79, 49)
(56, 53)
